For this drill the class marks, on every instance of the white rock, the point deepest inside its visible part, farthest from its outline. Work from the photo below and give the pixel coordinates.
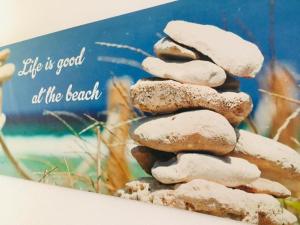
(166, 96)
(276, 161)
(229, 171)
(193, 72)
(4, 54)
(234, 54)
(266, 186)
(142, 189)
(199, 130)
(216, 199)
(165, 48)
(6, 72)
(210, 198)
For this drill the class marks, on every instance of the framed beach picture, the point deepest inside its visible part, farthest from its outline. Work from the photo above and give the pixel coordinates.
(192, 105)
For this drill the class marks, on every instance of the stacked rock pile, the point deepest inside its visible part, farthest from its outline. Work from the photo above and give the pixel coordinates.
(191, 147)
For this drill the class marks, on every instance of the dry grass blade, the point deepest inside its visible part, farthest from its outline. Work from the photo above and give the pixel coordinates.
(286, 123)
(272, 45)
(47, 173)
(128, 121)
(119, 87)
(99, 124)
(246, 30)
(71, 183)
(76, 177)
(119, 60)
(292, 100)
(116, 161)
(88, 154)
(134, 49)
(71, 115)
(91, 127)
(251, 124)
(70, 128)
(98, 169)
(280, 80)
(37, 160)
(159, 35)
(102, 125)
(125, 95)
(295, 141)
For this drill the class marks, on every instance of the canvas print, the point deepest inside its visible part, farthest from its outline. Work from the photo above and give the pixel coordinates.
(192, 105)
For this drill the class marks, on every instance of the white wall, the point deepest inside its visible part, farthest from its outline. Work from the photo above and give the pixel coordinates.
(24, 19)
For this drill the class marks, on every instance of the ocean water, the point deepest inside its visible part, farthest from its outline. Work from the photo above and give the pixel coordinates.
(67, 154)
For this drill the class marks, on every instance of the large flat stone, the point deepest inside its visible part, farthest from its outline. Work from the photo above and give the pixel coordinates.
(216, 199)
(276, 161)
(198, 72)
(229, 171)
(210, 198)
(234, 54)
(199, 130)
(166, 96)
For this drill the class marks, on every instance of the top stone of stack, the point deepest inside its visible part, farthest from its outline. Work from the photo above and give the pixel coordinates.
(229, 51)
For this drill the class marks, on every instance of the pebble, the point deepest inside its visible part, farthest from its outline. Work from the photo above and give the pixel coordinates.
(165, 48)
